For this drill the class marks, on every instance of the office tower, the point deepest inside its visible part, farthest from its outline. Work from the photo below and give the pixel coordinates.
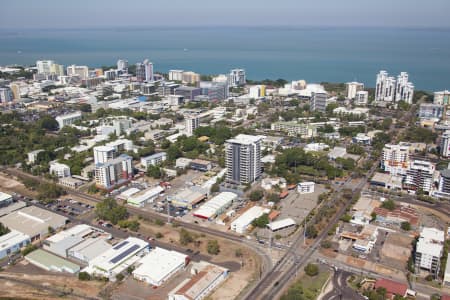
(81, 71)
(243, 159)
(192, 123)
(6, 95)
(445, 144)
(430, 111)
(236, 78)
(362, 98)
(103, 153)
(353, 88)
(395, 159)
(122, 66)
(319, 101)
(214, 90)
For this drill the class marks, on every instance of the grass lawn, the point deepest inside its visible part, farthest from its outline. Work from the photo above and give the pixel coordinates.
(307, 287)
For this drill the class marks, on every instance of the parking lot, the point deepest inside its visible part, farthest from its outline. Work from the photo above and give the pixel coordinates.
(70, 207)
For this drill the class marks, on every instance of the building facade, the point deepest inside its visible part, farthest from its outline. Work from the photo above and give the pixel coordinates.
(352, 88)
(113, 172)
(243, 159)
(237, 78)
(395, 159)
(191, 124)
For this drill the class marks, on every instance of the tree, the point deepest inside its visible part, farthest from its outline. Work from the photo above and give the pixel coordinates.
(84, 276)
(311, 232)
(215, 188)
(120, 277)
(262, 221)
(48, 123)
(185, 237)
(238, 252)
(388, 204)
(28, 249)
(256, 195)
(213, 247)
(109, 210)
(311, 270)
(173, 153)
(406, 226)
(3, 229)
(154, 171)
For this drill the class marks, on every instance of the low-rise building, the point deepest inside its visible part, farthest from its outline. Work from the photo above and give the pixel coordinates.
(362, 138)
(281, 224)
(59, 170)
(141, 198)
(12, 242)
(188, 197)
(153, 160)
(241, 224)
(270, 182)
(201, 165)
(68, 119)
(429, 250)
(295, 129)
(183, 162)
(316, 147)
(337, 152)
(159, 265)
(392, 288)
(5, 199)
(33, 156)
(446, 281)
(216, 205)
(51, 262)
(70, 182)
(306, 187)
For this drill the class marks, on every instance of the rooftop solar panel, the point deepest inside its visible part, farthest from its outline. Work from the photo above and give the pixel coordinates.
(124, 254)
(120, 245)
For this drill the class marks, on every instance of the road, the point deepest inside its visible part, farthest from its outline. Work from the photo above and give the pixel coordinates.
(340, 289)
(265, 258)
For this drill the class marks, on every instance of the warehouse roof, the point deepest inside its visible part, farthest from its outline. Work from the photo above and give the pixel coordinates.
(145, 195)
(4, 197)
(12, 238)
(51, 262)
(210, 208)
(280, 224)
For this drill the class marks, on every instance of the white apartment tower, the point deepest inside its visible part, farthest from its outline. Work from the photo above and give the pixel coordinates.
(353, 88)
(81, 71)
(420, 176)
(103, 153)
(404, 89)
(176, 75)
(395, 159)
(192, 123)
(236, 78)
(144, 71)
(113, 172)
(390, 89)
(122, 66)
(445, 144)
(319, 101)
(243, 159)
(44, 66)
(362, 98)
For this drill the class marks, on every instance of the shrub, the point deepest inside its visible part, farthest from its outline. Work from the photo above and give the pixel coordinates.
(213, 247)
(311, 270)
(84, 276)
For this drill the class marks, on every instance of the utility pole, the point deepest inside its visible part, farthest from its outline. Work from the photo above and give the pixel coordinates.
(168, 210)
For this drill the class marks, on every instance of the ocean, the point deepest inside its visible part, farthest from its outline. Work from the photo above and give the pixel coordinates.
(314, 54)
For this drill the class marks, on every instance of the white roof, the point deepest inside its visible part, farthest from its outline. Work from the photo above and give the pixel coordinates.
(280, 224)
(306, 183)
(129, 193)
(11, 239)
(145, 195)
(431, 241)
(117, 254)
(160, 263)
(78, 230)
(4, 196)
(104, 148)
(245, 139)
(247, 217)
(430, 233)
(210, 208)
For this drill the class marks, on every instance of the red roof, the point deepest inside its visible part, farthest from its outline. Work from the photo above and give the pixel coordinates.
(273, 215)
(392, 287)
(284, 194)
(445, 297)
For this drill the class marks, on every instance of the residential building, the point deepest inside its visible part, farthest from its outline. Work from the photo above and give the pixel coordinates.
(352, 88)
(446, 281)
(144, 71)
(114, 172)
(385, 87)
(6, 95)
(159, 265)
(122, 66)
(243, 159)
(201, 165)
(216, 206)
(430, 111)
(176, 75)
(444, 183)
(12, 242)
(44, 66)
(59, 170)
(419, 176)
(306, 187)
(429, 250)
(442, 97)
(395, 159)
(362, 98)
(237, 78)
(445, 144)
(153, 160)
(295, 129)
(257, 91)
(319, 101)
(80, 71)
(190, 77)
(191, 123)
(121, 145)
(392, 288)
(241, 224)
(5, 199)
(404, 90)
(206, 277)
(103, 153)
(68, 119)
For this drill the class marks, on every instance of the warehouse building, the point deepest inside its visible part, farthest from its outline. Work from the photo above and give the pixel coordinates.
(51, 262)
(89, 249)
(159, 265)
(241, 224)
(206, 277)
(12, 242)
(188, 198)
(146, 196)
(216, 206)
(5, 199)
(281, 224)
(117, 258)
(33, 221)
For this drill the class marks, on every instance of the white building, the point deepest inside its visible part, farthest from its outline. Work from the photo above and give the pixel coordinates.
(295, 129)
(316, 147)
(306, 187)
(159, 265)
(206, 277)
(153, 160)
(319, 101)
(353, 88)
(182, 162)
(243, 158)
(390, 89)
(446, 281)
(176, 75)
(257, 91)
(442, 97)
(270, 182)
(191, 124)
(281, 224)
(6, 95)
(420, 176)
(395, 159)
(404, 89)
(236, 78)
(103, 153)
(122, 66)
(113, 172)
(5, 199)
(12, 242)
(33, 156)
(362, 98)
(81, 71)
(216, 206)
(146, 196)
(445, 144)
(117, 258)
(429, 249)
(121, 145)
(241, 224)
(59, 170)
(68, 119)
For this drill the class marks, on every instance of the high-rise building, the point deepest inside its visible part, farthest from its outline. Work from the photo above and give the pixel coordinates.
(192, 123)
(81, 71)
(395, 159)
(319, 101)
(190, 77)
(243, 159)
(214, 90)
(15, 89)
(144, 71)
(122, 66)
(430, 111)
(444, 183)
(6, 95)
(390, 89)
(353, 88)
(68, 119)
(44, 66)
(103, 153)
(114, 172)
(429, 250)
(419, 176)
(445, 144)
(442, 97)
(176, 75)
(237, 78)
(362, 98)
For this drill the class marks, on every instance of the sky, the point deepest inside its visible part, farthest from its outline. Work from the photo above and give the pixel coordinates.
(161, 13)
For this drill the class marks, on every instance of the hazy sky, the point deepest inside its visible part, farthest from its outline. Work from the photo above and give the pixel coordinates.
(107, 13)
